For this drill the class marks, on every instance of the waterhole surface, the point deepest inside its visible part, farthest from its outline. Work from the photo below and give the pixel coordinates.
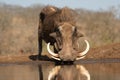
(46, 71)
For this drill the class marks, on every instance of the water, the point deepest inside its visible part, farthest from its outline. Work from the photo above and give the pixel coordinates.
(48, 71)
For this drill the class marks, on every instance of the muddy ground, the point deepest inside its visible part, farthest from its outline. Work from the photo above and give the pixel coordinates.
(100, 53)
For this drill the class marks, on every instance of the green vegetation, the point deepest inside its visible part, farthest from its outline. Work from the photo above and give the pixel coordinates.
(18, 28)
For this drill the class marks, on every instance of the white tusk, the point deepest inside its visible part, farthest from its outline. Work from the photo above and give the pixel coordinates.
(86, 50)
(82, 54)
(56, 58)
(78, 58)
(52, 53)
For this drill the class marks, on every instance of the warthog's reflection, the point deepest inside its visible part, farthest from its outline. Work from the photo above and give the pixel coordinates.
(69, 72)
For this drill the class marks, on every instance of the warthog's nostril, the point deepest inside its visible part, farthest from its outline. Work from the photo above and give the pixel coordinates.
(67, 58)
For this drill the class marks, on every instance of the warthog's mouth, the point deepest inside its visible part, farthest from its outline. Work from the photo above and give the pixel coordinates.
(79, 56)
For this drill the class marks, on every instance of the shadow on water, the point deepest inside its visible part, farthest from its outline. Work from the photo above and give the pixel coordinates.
(46, 58)
(36, 57)
(96, 71)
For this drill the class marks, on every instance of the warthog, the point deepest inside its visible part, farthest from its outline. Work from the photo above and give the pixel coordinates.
(57, 27)
(69, 72)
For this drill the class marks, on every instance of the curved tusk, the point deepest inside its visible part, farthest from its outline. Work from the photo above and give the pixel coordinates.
(86, 50)
(82, 54)
(52, 53)
(78, 58)
(56, 58)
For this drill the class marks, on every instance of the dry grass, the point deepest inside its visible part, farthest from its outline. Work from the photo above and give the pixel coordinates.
(100, 27)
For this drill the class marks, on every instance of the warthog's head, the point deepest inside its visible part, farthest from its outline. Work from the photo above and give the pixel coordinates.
(67, 36)
(71, 72)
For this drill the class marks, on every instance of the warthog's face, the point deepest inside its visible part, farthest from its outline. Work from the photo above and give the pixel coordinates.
(66, 36)
(71, 72)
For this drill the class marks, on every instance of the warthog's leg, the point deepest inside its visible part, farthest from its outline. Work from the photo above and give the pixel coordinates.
(39, 45)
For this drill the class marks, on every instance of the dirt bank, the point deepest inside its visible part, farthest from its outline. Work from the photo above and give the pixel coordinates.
(108, 51)
(103, 52)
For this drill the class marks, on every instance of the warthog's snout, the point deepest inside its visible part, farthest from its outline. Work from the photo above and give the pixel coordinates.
(69, 54)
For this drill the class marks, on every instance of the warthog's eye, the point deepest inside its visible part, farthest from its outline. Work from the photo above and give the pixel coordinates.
(58, 32)
(74, 31)
(77, 33)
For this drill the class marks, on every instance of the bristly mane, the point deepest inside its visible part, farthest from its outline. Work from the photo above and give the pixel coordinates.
(66, 15)
(51, 15)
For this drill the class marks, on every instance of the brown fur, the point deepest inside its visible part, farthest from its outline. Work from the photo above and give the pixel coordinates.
(50, 19)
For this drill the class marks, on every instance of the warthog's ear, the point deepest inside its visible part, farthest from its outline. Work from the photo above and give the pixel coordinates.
(53, 34)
